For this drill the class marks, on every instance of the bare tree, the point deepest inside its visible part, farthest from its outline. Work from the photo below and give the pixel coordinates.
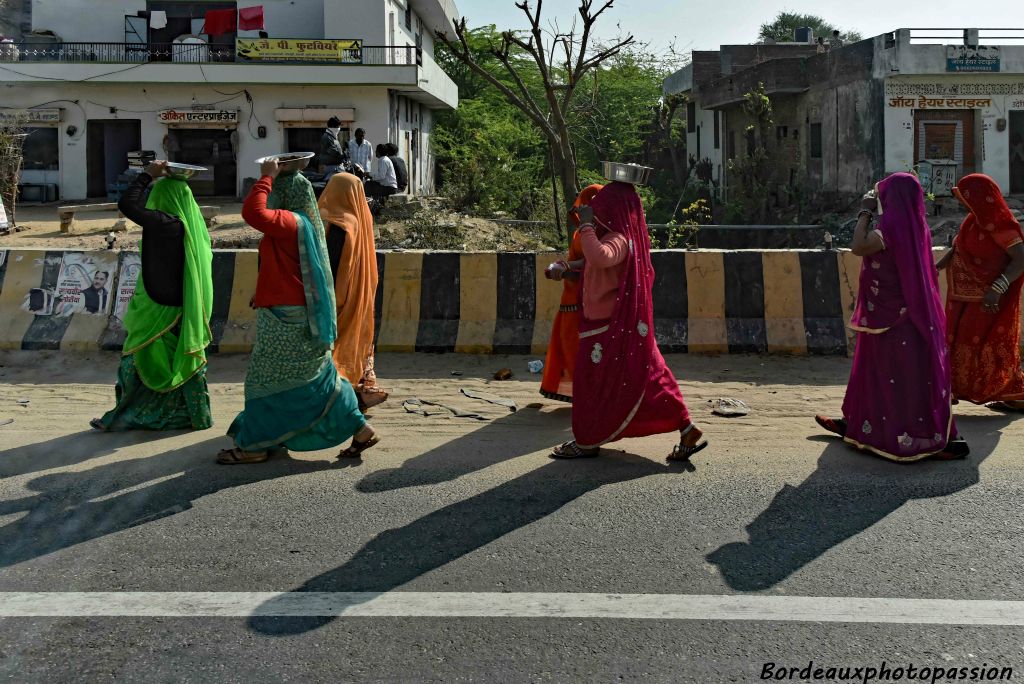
(562, 59)
(12, 138)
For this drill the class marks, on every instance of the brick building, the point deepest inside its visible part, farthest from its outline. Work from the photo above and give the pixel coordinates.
(947, 102)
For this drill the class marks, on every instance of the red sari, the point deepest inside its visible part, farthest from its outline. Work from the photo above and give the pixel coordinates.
(984, 347)
(623, 388)
(565, 336)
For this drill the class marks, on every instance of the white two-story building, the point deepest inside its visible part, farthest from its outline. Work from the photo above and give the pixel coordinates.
(97, 79)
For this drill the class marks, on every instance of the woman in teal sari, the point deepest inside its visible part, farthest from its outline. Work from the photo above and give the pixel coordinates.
(161, 383)
(294, 396)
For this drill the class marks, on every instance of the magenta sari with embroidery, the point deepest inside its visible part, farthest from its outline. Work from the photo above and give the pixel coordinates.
(622, 386)
(898, 402)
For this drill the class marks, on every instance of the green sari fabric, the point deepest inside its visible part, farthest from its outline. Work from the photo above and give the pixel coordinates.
(169, 342)
(140, 408)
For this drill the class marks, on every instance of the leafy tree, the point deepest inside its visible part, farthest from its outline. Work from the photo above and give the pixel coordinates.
(562, 60)
(781, 29)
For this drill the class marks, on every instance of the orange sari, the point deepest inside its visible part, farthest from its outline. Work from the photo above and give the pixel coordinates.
(565, 336)
(343, 208)
(984, 347)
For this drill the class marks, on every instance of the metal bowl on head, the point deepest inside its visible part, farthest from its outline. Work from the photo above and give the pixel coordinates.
(289, 162)
(634, 174)
(183, 172)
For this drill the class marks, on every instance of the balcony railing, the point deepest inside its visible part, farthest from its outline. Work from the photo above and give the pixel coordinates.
(196, 53)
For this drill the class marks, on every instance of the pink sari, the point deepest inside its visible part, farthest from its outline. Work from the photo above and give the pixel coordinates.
(898, 400)
(622, 387)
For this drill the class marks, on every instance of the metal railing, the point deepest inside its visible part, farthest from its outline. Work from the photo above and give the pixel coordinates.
(957, 36)
(194, 53)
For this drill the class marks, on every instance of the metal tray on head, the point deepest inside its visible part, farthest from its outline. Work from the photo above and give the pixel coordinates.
(183, 171)
(289, 162)
(633, 174)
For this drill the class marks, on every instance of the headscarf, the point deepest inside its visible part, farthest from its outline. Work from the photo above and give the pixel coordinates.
(586, 196)
(292, 192)
(343, 207)
(608, 394)
(979, 250)
(165, 367)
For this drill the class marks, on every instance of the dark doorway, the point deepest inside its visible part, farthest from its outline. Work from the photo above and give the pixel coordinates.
(209, 147)
(308, 140)
(107, 145)
(1017, 152)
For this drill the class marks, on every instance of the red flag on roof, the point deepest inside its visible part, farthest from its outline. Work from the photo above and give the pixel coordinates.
(251, 18)
(219, 22)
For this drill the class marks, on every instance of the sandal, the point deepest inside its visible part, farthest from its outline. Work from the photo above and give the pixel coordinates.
(358, 447)
(1007, 406)
(236, 456)
(956, 450)
(834, 425)
(681, 452)
(97, 424)
(569, 450)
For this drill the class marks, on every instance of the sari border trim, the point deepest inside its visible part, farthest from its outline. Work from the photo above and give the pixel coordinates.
(870, 331)
(554, 396)
(154, 338)
(595, 331)
(621, 429)
(906, 459)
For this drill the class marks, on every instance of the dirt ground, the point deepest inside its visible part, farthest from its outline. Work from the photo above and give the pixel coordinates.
(39, 226)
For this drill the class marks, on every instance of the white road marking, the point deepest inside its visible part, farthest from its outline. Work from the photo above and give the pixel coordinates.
(512, 605)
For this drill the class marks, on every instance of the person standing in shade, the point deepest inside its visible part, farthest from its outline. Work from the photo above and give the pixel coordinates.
(401, 170)
(898, 402)
(294, 397)
(161, 383)
(622, 386)
(384, 182)
(360, 151)
(984, 271)
(332, 155)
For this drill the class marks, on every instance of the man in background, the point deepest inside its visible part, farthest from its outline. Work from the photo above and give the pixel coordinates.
(332, 156)
(360, 151)
(401, 170)
(383, 183)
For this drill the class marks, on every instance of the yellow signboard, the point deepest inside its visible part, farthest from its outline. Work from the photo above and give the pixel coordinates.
(300, 50)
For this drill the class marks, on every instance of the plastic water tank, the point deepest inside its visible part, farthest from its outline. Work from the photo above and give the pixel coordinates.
(803, 35)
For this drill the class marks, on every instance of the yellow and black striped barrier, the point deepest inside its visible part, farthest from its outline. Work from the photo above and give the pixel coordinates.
(763, 301)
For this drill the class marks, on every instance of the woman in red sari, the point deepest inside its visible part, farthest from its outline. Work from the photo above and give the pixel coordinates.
(565, 335)
(983, 271)
(622, 386)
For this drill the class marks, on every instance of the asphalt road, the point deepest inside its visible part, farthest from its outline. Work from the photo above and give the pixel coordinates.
(445, 505)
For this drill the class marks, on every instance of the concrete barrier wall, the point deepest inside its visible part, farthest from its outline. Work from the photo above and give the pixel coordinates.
(786, 301)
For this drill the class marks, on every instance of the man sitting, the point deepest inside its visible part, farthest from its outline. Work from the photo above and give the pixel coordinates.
(383, 182)
(401, 170)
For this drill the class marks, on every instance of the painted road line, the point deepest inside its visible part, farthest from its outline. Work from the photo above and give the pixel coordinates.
(513, 605)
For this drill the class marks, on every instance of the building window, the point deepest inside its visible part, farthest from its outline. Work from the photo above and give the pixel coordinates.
(691, 117)
(731, 151)
(718, 130)
(781, 132)
(41, 150)
(815, 141)
(408, 16)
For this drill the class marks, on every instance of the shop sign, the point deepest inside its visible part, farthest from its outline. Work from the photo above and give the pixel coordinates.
(967, 58)
(198, 116)
(31, 116)
(923, 102)
(300, 50)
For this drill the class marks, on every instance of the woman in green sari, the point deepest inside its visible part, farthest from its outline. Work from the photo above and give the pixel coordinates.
(294, 396)
(161, 383)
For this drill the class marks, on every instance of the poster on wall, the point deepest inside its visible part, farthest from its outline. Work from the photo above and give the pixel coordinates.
(4, 226)
(83, 287)
(972, 58)
(131, 267)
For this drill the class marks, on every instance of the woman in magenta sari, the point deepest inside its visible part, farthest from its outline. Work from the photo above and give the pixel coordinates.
(898, 401)
(621, 387)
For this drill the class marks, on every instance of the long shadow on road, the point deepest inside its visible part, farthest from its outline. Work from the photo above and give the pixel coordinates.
(398, 556)
(74, 507)
(847, 494)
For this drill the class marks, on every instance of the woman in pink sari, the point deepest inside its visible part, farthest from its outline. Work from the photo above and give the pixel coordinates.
(621, 387)
(899, 398)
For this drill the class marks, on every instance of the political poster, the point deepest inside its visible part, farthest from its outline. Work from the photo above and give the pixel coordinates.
(83, 286)
(131, 267)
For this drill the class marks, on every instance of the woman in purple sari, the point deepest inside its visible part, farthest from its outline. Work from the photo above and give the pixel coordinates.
(898, 402)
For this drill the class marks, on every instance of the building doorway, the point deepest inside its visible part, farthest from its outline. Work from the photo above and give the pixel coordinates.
(107, 144)
(306, 139)
(209, 147)
(1017, 152)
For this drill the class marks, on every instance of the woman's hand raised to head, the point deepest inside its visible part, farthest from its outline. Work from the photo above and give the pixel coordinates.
(156, 168)
(869, 202)
(270, 168)
(586, 214)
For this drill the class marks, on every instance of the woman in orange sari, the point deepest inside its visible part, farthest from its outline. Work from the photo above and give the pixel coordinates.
(983, 271)
(565, 335)
(353, 256)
